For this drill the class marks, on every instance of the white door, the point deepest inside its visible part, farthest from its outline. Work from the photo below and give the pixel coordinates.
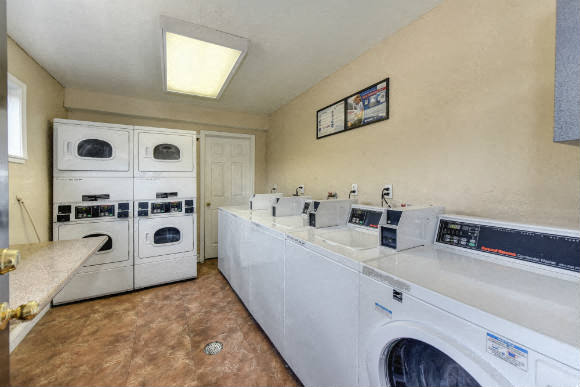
(165, 235)
(163, 152)
(228, 180)
(116, 249)
(92, 148)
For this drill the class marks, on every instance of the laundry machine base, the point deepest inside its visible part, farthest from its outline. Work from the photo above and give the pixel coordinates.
(98, 283)
(164, 271)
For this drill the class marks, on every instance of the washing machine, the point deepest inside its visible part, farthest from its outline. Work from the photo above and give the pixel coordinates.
(91, 149)
(109, 270)
(322, 283)
(164, 235)
(488, 304)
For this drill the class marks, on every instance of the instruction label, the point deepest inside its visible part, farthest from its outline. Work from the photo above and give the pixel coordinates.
(507, 351)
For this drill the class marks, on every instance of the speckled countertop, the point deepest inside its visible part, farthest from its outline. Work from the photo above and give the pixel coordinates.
(46, 267)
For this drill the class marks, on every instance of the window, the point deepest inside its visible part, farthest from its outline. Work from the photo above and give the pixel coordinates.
(16, 105)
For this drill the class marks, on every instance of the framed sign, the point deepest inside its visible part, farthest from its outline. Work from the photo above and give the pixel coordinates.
(364, 107)
(368, 105)
(330, 120)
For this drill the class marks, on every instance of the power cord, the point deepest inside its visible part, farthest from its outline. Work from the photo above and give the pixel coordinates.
(384, 200)
(23, 205)
(351, 192)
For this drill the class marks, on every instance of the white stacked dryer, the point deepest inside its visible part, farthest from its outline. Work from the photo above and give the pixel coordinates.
(92, 196)
(165, 237)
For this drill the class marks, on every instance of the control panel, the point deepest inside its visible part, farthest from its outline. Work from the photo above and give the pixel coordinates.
(365, 217)
(68, 212)
(306, 208)
(166, 207)
(553, 250)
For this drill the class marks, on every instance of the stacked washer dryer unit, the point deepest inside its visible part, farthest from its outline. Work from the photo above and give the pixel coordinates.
(165, 217)
(92, 196)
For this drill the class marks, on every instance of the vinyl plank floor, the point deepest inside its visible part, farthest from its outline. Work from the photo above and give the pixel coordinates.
(152, 337)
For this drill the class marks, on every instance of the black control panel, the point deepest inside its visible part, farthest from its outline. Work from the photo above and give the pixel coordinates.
(365, 217)
(393, 217)
(305, 208)
(558, 251)
(65, 211)
(96, 211)
(166, 207)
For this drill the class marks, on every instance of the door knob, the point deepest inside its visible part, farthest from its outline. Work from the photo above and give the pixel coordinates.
(207, 204)
(9, 258)
(26, 311)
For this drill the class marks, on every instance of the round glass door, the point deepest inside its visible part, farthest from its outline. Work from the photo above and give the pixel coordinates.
(166, 235)
(168, 152)
(95, 149)
(411, 362)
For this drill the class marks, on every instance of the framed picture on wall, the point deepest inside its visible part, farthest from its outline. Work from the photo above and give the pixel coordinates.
(330, 120)
(368, 105)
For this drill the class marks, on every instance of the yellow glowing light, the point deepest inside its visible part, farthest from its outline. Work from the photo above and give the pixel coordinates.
(197, 67)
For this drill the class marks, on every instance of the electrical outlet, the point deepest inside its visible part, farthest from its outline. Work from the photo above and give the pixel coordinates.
(274, 188)
(301, 189)
(354, 189)
(388, 191)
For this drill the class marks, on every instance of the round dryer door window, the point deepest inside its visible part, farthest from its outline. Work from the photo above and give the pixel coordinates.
(167, 152)
(93, 148)
(411, 362)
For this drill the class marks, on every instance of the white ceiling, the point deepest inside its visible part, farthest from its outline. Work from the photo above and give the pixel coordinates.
(113, 46)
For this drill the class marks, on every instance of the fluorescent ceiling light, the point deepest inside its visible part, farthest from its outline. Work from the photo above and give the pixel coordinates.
(198, 60)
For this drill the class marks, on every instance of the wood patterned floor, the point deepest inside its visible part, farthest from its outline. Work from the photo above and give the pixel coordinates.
(152, 337)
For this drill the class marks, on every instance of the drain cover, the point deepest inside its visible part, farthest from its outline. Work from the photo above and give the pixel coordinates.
(213, 348)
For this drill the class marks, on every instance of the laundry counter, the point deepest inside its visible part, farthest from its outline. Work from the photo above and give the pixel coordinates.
(43, 271)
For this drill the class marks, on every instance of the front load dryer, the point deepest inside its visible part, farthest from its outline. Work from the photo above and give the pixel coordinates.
(165, 241)
(164, 152)
(91, 149)
(488, 304)
(108, 271)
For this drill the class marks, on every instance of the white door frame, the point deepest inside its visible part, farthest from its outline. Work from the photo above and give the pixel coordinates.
(203, 134)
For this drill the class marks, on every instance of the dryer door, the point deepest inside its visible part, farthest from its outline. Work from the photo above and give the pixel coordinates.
(165, 235)
(165, 152)
(116, 249)
(412, 354)
(88, 148)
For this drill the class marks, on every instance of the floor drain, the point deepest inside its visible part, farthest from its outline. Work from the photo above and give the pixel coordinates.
(213, 348)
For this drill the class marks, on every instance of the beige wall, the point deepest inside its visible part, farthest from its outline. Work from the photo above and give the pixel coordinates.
(32, 180)
(471, 119)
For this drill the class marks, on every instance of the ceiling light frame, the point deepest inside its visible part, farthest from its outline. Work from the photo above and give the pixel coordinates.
(205, 34)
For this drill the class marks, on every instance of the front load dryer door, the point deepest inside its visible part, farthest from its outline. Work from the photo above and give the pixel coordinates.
(165, 235)
(116, 249)
(406, 353)
(165, 152)
(88, 148)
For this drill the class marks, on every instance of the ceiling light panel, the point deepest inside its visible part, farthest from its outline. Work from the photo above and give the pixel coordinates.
(198, 60)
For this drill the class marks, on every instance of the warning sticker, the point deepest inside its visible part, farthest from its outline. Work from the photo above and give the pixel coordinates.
(507, 351)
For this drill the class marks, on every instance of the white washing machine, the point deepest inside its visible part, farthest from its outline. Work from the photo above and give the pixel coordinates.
(108, 271)
(165, 236)
(322, 284)
(91, 149)
(490, 304)
(164, 152)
